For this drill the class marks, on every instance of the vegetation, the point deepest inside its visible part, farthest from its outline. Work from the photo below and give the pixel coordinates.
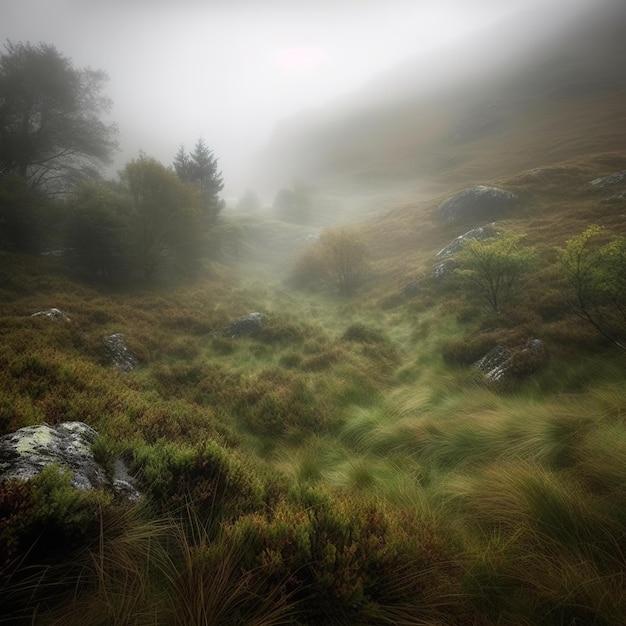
(200, 169)
(597, 275)
(338, 258)
(345, 463)
(492, 267)
(162, 222)
(50, 125)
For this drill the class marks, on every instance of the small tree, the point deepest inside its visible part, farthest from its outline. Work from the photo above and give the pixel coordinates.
(200, 168)
(596, 273)
(344, 255)
(493, 267)
(166, 219)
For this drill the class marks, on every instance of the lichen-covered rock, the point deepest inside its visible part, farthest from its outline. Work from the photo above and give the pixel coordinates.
(25, 453)
(246, 326)
(118, 353)
(52, 314)
(478, 202)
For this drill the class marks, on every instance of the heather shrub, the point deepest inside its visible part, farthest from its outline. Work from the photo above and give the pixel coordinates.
(207, 477)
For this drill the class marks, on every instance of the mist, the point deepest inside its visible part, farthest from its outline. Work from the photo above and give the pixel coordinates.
(231, 71)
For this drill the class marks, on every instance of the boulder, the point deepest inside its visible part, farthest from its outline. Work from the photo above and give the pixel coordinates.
(52, 314)
(482, 232)
(24, 453)
(446, 264)
(476, 203)
(118, 354)
(501, 362)
(445, 268)
(246, 326)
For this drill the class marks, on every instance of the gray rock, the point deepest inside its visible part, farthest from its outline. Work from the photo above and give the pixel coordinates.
(122, 484)
(445, 268)
(495, 364)
(606, 181)
(476, 203)
(447, 264)
(118, 353)
(246, 326)
(501, 361)
(27, 451)
(482, 232)
(52, 314)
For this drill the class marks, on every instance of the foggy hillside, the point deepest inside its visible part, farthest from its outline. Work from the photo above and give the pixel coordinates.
(511, 100)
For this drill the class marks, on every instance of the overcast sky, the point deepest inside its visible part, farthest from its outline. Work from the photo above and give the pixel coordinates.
(229, 70)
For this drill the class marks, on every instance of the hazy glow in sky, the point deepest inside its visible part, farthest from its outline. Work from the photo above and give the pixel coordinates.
(300, 59)
(229, 70)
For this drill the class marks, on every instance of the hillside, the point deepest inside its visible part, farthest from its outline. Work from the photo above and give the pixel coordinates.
(509, 110)
(408, 452)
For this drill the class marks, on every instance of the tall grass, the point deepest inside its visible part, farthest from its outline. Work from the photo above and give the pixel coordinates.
(396, 487)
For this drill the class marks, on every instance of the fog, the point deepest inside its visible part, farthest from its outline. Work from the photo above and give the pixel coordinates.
(229, 71)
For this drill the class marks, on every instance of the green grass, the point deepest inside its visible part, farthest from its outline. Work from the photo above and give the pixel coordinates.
(345, 465)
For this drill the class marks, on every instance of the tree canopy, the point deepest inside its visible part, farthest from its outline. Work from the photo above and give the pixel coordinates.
(200, 168)
(51, 131)
(166, 214)
(97, 232)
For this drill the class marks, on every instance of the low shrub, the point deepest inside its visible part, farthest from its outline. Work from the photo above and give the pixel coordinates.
(309, 270)
(344, 560)
(206, 477)
(45, 527)
(277, 403)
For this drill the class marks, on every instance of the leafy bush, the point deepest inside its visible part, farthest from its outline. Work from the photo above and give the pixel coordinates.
(492, 267)
(597, 275)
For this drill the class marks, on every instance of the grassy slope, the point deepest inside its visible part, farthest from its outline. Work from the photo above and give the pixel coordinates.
(520, 488)
(361, 477)
(561, 99)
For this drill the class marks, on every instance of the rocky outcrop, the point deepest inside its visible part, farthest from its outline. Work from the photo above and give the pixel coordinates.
(246, 326)
(478, 202)
(118, 354)
(501, 362)
(53, 314)
(446, 263)
(24, 453)
(606, 181)
(445, 268)
(482, 232)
